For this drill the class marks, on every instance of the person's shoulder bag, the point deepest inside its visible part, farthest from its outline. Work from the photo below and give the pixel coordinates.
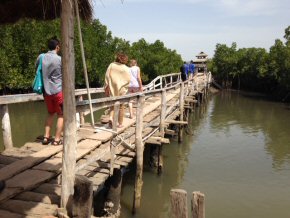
(38, 80)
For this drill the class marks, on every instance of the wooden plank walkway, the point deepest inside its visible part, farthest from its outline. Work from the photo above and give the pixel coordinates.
(32, 172)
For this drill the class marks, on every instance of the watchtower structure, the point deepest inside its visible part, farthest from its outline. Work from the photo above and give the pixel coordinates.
(200, 63)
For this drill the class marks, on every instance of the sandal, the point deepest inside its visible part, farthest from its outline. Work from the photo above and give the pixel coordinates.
(46, 140)
(55, 143)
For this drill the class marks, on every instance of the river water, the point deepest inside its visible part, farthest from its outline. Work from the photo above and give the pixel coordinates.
(238, 155)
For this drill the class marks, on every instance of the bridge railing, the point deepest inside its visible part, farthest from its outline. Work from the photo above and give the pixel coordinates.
(155, 86)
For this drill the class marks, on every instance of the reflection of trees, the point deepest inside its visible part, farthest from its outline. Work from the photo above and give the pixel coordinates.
(253, 114)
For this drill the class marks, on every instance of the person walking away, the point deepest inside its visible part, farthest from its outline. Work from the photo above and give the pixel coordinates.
(191, 69)
(53, 97)
(183, 72)
(135, 83)
(186, 69)
(118, 80)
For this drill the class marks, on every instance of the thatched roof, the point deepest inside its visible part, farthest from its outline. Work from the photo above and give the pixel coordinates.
(13, 10)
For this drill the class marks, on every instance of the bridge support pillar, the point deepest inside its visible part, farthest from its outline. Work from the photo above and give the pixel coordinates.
(6, 127)
(139, 151)
(181, 109)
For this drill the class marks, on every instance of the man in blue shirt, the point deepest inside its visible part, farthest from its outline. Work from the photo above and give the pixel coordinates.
(186, 69)
(191, 69)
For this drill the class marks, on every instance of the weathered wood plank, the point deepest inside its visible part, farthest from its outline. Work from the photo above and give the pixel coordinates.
(7, 214)
(29, 180)
(47, 188)
(177, 122)
(29, 208)
(21, 165)
(38, 197)
(7, 159)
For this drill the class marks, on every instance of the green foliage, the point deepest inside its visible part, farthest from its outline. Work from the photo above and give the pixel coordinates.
(254, 69)
(155, 59)
(22, 42)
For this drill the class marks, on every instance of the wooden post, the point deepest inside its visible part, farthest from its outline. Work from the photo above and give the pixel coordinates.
(6, 127)
(197, 205)
(181, 108)
(83, 197)
(139, 152)
(179, 203)
(69, 106)
(113, 199)
(112, 147)
(163, 113)
(82, 117)
(162, 129)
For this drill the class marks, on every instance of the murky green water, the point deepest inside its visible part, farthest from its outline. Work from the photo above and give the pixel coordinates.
(238, 156)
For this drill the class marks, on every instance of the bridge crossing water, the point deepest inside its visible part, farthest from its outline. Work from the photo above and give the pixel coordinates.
(33, 172)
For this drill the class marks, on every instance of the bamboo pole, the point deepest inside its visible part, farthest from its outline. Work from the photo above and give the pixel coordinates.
(197, 205)
(6, 127)
(69, 106)
(179, 203)
(181, 108)
(84, 62)
(139, 151)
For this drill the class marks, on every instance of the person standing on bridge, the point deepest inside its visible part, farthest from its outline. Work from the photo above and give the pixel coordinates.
(135, 83)
(191, 69)
(117, 80)
(53, 97)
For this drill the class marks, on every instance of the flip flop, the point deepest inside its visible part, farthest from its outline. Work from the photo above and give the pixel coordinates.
(55, 143)
(46, 140)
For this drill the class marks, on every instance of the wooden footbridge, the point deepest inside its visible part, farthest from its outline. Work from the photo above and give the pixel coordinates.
(33, 172)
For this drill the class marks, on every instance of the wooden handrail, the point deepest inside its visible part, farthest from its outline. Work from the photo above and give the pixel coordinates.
(21, 98)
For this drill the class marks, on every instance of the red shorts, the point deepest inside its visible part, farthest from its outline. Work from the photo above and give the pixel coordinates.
(54, 103)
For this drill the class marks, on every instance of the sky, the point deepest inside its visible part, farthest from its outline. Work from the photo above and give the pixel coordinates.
(192, 26)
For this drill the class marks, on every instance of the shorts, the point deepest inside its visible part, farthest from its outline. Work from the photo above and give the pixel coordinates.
(54, 103)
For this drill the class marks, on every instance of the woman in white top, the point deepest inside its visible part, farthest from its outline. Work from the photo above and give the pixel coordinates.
(135, 83)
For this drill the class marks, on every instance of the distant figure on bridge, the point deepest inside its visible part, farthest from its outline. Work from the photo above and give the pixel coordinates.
(118, 80)
(135, 83)
(191, 69)
(52, 80)
(184, 71)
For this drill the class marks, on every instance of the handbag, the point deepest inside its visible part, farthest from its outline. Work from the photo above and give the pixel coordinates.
(38, 80)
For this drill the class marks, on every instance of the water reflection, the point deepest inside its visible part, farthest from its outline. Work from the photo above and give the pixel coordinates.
(253, 116)
(238, 156)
